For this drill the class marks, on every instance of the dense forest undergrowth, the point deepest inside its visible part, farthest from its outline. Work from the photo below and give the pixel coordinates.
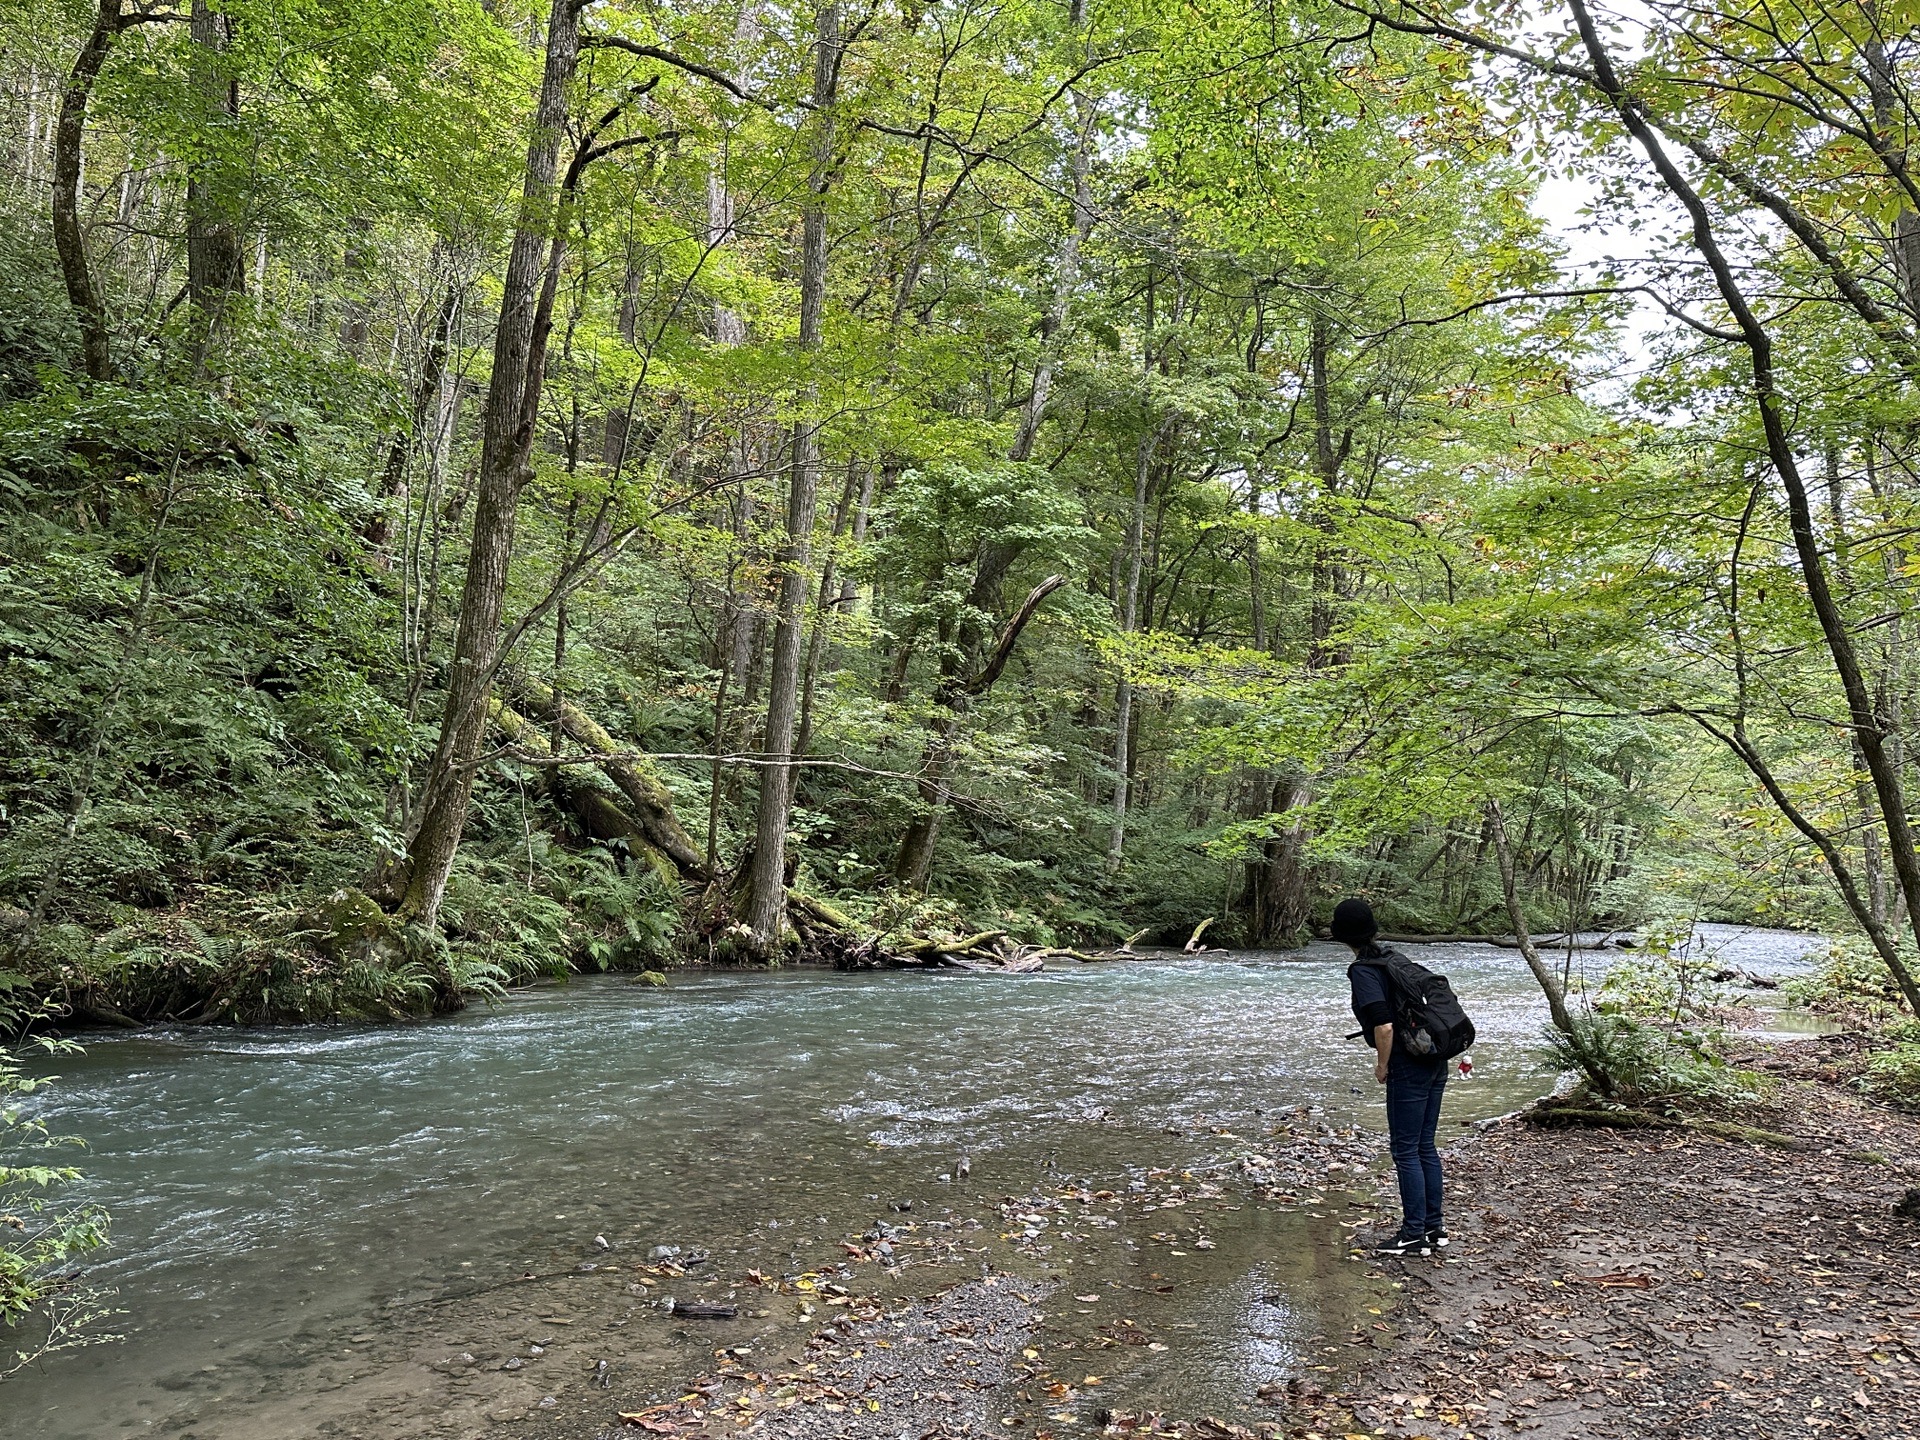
(490, 493)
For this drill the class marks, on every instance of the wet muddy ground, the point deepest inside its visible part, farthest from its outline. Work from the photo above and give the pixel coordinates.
(1029, 1312)
(1625, 1285)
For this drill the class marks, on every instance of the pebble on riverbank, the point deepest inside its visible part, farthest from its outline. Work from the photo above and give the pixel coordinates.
(930, 1369)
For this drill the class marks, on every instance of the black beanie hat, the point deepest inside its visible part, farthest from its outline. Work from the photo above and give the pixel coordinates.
(1353, 922)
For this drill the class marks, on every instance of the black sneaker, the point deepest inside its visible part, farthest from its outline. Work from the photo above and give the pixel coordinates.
(1437, 1239)
(1403, 1245)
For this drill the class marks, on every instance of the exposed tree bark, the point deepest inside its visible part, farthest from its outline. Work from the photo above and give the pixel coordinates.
(651, 802)
(767, 876)
(506, 444)
(216, 269)
(69, 153)
(996, 665)
(1278, 883)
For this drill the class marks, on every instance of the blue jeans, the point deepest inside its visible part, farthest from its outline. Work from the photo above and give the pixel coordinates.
(1414, 1092)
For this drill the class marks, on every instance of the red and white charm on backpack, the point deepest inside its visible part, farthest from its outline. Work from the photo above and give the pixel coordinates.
(1466, 1066)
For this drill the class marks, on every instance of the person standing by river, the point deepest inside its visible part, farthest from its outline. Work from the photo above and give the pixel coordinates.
(1415, 1085)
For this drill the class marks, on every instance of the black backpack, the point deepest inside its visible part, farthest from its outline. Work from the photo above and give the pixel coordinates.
(1428, 1020)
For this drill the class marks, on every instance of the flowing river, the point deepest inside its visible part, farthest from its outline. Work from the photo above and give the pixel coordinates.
(306, 1222)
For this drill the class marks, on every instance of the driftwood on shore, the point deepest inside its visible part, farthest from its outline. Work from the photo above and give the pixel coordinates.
(988, 952)
(992, 952)
(1559, 940)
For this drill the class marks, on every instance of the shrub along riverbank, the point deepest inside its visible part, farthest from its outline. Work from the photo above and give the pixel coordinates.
(46, 1303)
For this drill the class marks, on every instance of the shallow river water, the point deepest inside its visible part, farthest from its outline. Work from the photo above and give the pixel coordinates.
(282, 1197)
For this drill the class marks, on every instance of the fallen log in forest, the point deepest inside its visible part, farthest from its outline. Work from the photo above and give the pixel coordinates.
(646, 822)
(596, 812)
(647, 825)
(649, 802)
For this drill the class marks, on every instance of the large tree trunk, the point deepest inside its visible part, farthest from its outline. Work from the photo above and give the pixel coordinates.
(69, 240)
(767, 875)
(1129, 619)
(215, 267)
(1278, 884)
(506, 445)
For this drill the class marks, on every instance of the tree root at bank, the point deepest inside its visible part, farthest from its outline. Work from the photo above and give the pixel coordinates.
(1578, 1111)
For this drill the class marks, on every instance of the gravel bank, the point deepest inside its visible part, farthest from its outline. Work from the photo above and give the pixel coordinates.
(935, 1368)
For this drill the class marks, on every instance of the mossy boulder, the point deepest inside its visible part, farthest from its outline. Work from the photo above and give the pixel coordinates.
(350, 927)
